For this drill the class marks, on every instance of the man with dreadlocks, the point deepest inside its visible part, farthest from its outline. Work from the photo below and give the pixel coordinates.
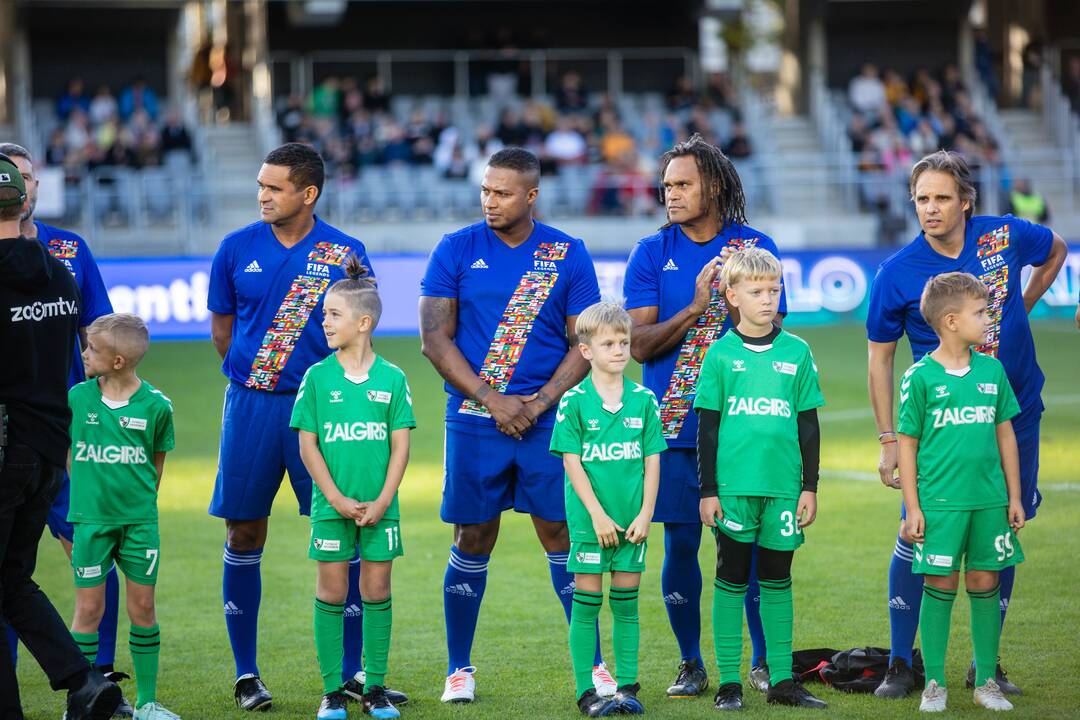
(674, 297)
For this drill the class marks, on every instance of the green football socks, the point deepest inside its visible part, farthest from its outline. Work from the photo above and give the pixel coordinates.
(329, 636)
(625, 633)
(777, 621)
(985, 631)
(727, 612)
(378, 619)
(934, 620)
(145, 646)
(583, 617)
(88, 644)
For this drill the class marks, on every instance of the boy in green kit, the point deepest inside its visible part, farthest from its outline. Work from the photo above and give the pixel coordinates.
(121, 428)
(354, 414)
(758, 460)
(607, 431)
(960, 475)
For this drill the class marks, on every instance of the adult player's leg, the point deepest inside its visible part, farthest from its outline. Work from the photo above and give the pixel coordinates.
(904, 603)
(680, 578)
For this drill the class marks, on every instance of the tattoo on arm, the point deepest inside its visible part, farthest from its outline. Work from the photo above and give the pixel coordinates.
(434, 313)
(481, 393)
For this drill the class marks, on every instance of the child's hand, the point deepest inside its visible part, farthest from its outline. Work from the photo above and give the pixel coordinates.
(347, 507)
(1016, 516)
(639, 529)
(915, 525)
(806, 510)
(709, 509)
(372, 513)
(606, 530)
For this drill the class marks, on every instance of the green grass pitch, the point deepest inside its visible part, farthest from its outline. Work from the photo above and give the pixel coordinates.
(521, 652)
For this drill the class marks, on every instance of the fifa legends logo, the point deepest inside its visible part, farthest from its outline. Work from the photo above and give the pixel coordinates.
(92, 418)
(738, 366)
(942, 391)
(335, 396)
(318, 269)
(632, 423)
(379, 396)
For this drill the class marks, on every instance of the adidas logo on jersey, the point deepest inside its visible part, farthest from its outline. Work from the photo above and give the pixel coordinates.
(353, 610)
(611, 451)
(670, 265)
(231, 609)
(463, 589)
(479, 265)
(758, 406)
(897, 603)
(967, 415)
(675, 599)
(253, 266)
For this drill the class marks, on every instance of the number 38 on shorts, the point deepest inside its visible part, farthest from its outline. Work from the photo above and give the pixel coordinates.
(770, 522)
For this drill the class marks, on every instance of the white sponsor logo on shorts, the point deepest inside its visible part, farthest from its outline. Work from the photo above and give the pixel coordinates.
(587, 558)
(91, 571)
(939, 560)
(379, 396)
(632, 423)
(732, 524)
(327, 545)
(132, 423)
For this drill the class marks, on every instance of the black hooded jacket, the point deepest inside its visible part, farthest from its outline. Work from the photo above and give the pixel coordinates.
(39, 316)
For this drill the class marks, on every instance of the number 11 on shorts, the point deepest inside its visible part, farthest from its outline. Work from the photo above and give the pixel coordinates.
(393, 537)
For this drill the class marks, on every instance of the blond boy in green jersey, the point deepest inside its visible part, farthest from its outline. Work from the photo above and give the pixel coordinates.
(607, 431)
(758, 455)
(960, 475)
(121, 428)
(354, 414)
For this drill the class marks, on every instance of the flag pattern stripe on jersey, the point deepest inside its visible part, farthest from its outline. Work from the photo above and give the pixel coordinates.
(291, 318)
(997, 283)
(679, 396)
(516, 324)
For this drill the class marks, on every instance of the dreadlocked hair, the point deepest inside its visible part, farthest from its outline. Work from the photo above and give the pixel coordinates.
(359, 289)
(717, 173)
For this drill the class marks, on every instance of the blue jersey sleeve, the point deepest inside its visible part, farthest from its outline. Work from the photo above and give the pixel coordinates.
(641, 284)
(221, 295)
(1033, 242)
(885, 314)
(441, 278)
(766, 243)
(95, 298)
(584, 289)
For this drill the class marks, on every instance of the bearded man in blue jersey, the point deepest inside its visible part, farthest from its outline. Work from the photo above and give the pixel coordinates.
(995, 250)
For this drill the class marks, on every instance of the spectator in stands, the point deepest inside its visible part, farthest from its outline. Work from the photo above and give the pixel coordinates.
(952, 85)
(103, 106)
(1026, 203)
(566, 145)
(174, 136)
(572, 97)
(74, 97)
(1029, 74)
(719, 94)
(681, 97)
(56, 151)
(77, 131)
(326, 98)
(376, 99)
(896, 90)
(622, 188)
(511, 130)
(615, 141)
(923, 140)
(657, 133)
(291, 117)
(866, 92)
(138, 96)
(1070, 82)
(738, 146)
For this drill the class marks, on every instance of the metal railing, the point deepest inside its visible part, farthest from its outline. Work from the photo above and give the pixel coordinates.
(1061, 119)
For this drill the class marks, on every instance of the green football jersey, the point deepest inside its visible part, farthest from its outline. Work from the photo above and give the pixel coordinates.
(113, 478)
(613, 444)
(954, 415)
(354, 418)
(759, 390)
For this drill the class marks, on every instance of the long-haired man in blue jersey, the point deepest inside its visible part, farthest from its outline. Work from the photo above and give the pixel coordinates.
(673, 295)
(498, 305)
(267, 282)
(995, 250)
(74, 253)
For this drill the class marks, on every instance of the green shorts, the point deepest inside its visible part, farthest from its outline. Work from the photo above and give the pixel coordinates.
(770, 522)
(589, 557)
(336, 540)
(982, 539)
(134, 548)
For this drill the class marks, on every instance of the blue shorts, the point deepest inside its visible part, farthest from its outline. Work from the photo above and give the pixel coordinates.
(1026, 429)
(679, 496)
(257, 447)
(57, 517)
(486, 472)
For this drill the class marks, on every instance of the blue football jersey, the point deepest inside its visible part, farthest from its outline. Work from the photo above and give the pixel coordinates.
(661, 273)
(74, 253)
(276, 294)
(996, 249)
(512, 307)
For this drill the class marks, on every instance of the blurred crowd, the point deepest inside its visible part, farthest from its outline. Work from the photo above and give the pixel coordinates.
(103, 129)
(355, 126)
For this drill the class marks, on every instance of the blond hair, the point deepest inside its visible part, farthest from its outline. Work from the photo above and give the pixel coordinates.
(602, 316)
(751, 263)
(124, 333)
(945, 293)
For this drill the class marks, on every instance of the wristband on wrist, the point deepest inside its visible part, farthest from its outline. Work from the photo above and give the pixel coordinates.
(887, 437)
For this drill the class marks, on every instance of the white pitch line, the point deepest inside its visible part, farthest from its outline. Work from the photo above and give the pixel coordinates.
(848, 414)
(874, 477)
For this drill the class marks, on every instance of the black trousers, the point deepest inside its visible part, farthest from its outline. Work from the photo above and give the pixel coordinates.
(28, 485)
